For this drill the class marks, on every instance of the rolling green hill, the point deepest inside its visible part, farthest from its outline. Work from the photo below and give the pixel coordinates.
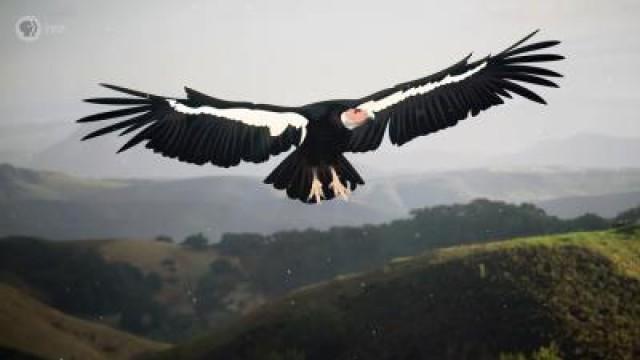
(28, 327)
(577, 291)
(169, 292)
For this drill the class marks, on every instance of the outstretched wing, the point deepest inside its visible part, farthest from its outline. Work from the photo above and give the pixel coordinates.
(200, 128)
(439, 101)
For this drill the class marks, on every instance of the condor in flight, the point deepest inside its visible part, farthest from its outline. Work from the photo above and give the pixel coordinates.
(200, 129)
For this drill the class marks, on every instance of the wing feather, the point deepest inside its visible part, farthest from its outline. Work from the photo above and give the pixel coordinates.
(200, 128)
(441, 100)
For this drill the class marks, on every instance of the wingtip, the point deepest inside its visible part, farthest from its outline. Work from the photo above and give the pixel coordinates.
(527, 37)
(539, 100)
(108, 86)
(530, 35)
(520, 42)
(127, 90)
(191, 91)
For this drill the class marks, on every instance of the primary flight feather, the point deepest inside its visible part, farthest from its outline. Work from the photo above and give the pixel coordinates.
(200, 129)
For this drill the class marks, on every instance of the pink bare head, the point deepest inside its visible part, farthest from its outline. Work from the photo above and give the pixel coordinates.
(355, 117)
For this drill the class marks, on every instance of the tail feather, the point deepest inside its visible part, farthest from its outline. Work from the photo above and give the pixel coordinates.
(346, 172)
(295, 174)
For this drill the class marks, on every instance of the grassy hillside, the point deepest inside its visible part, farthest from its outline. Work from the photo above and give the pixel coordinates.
(579, 291)
(74, 278)
(149, 256)
(169, 292)
(146, 287)
(27, 326)
(179, 268)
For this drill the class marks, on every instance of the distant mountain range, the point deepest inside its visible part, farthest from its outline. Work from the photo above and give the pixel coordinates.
(56, 205)
(607, 205)
(59, 206)
(20, 143)
(58, 148)
(535, 185)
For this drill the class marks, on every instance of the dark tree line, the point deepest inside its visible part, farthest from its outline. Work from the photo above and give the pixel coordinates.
(287, 260)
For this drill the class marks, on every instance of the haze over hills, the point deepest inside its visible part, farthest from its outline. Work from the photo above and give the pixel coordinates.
(98, 159)
(517, 185)
(59, 206)
(20, 142)
(579, 151)
(607, 205)
(63, 151)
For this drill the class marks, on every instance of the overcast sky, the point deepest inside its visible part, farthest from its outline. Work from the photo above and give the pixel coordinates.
(293, 52)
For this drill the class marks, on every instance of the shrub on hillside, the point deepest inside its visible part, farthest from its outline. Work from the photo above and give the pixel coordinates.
(196, 241)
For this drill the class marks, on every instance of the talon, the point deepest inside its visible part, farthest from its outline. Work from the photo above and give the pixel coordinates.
(316, 189)
(338, 188)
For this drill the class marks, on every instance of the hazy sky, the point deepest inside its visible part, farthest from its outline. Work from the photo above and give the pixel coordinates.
(295, 51)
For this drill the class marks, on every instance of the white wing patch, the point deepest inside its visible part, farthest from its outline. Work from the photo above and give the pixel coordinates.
(374, 106)
(276, 122)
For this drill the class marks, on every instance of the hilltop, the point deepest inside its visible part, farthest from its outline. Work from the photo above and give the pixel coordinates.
(576, 291)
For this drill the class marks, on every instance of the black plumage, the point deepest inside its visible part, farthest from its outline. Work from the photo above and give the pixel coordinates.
(202, 129)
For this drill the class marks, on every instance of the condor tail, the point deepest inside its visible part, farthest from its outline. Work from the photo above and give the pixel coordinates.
(294, 174)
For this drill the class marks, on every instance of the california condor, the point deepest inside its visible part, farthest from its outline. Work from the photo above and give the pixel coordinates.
(200, 129)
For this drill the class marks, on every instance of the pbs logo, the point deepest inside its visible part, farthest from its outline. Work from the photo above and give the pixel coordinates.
(28, 28)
